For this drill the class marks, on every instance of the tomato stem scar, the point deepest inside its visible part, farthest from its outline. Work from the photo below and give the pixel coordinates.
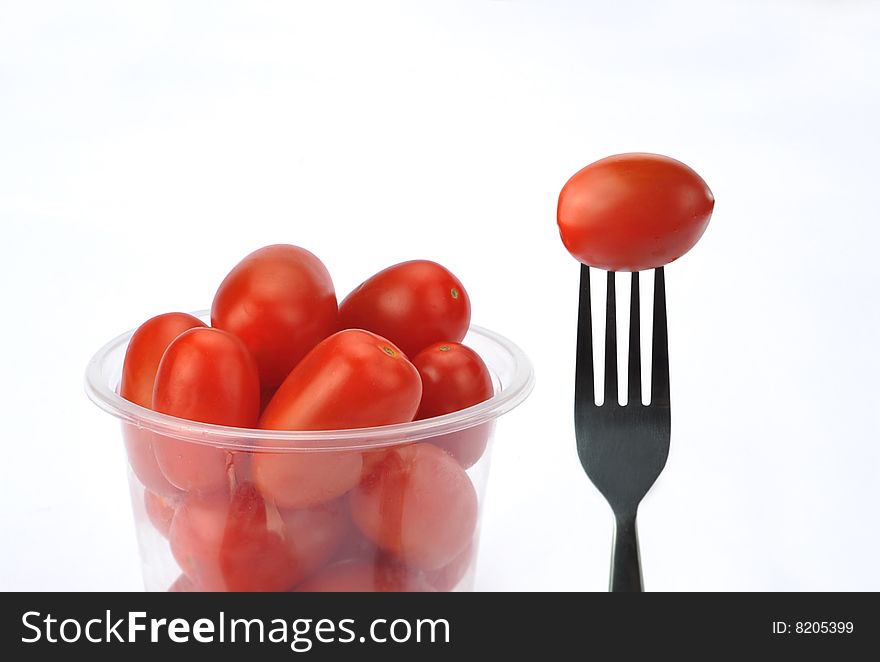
(444, 348)
(454, 293)
(389, 351)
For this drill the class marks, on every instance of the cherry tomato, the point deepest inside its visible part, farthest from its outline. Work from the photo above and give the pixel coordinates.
(454, 377)
(413, 304)
(366, 577)
(418, 504)
(353, 379)
(182, 584)
(139, 445)
(357, 547)
(281, 302)
(313, 535)
(370, 459)
(160, 510)
(243, 543)
(466, 446)
(206, 375)
(300, 480)
(632, 212)
(145, 350)
(447, 578)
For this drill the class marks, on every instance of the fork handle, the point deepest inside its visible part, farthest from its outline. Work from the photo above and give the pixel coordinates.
(626, 569)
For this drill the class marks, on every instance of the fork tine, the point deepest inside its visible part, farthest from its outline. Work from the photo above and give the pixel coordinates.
(660, 344)
(634, 379)
(611, 343)
(584, 391)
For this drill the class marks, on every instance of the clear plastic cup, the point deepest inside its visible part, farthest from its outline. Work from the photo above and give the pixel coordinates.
(409, 523)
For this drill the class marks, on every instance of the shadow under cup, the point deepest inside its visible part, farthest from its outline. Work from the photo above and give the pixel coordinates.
(393, 508)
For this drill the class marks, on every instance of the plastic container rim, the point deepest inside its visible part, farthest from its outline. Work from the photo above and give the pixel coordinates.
(102, 393)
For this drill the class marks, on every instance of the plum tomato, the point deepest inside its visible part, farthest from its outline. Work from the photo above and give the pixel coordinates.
(353, 379)
(447, 578)
(466, 446)
(380, 576)
(206, 375)
(240, 542)
(300, 480)
(182, 584)
(418, 504)
(357, 547)
(454, 377)
(145, 350)
(632, 212)
(281, 302)
(139, 446)
(160, 510)
(413, 304)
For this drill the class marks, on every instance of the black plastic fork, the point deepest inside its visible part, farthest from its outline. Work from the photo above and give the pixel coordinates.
(623, 448)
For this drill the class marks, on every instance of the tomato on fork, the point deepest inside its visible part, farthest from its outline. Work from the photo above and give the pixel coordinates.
(632, 212)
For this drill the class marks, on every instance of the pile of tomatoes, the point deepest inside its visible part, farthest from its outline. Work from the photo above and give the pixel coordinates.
(281, 354)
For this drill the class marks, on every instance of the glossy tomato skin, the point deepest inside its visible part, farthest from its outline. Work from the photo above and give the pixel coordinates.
(145, 350)
(281, 302)
(632, 212)
(142, 357)
(454, 377)
(353, 379)
(240, 542)
(418, 504)
(379, 576)
(206, 375)
(413, 304)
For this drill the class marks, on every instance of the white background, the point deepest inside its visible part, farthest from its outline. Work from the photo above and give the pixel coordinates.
(146, 147)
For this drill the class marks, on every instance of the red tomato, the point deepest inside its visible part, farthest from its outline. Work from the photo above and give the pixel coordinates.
(366, 577)
(142, 358)
(206, 375)
(466, 446)
(160, 511)
(370, 460)
(182, 584)
(145, 350)
(413, 304)
(417, 504)
(447, 578)
(632, 212)
(454, 377)
(353, 379)
(139, 445)
(280, 301)
(357, 547)
(243, 543)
